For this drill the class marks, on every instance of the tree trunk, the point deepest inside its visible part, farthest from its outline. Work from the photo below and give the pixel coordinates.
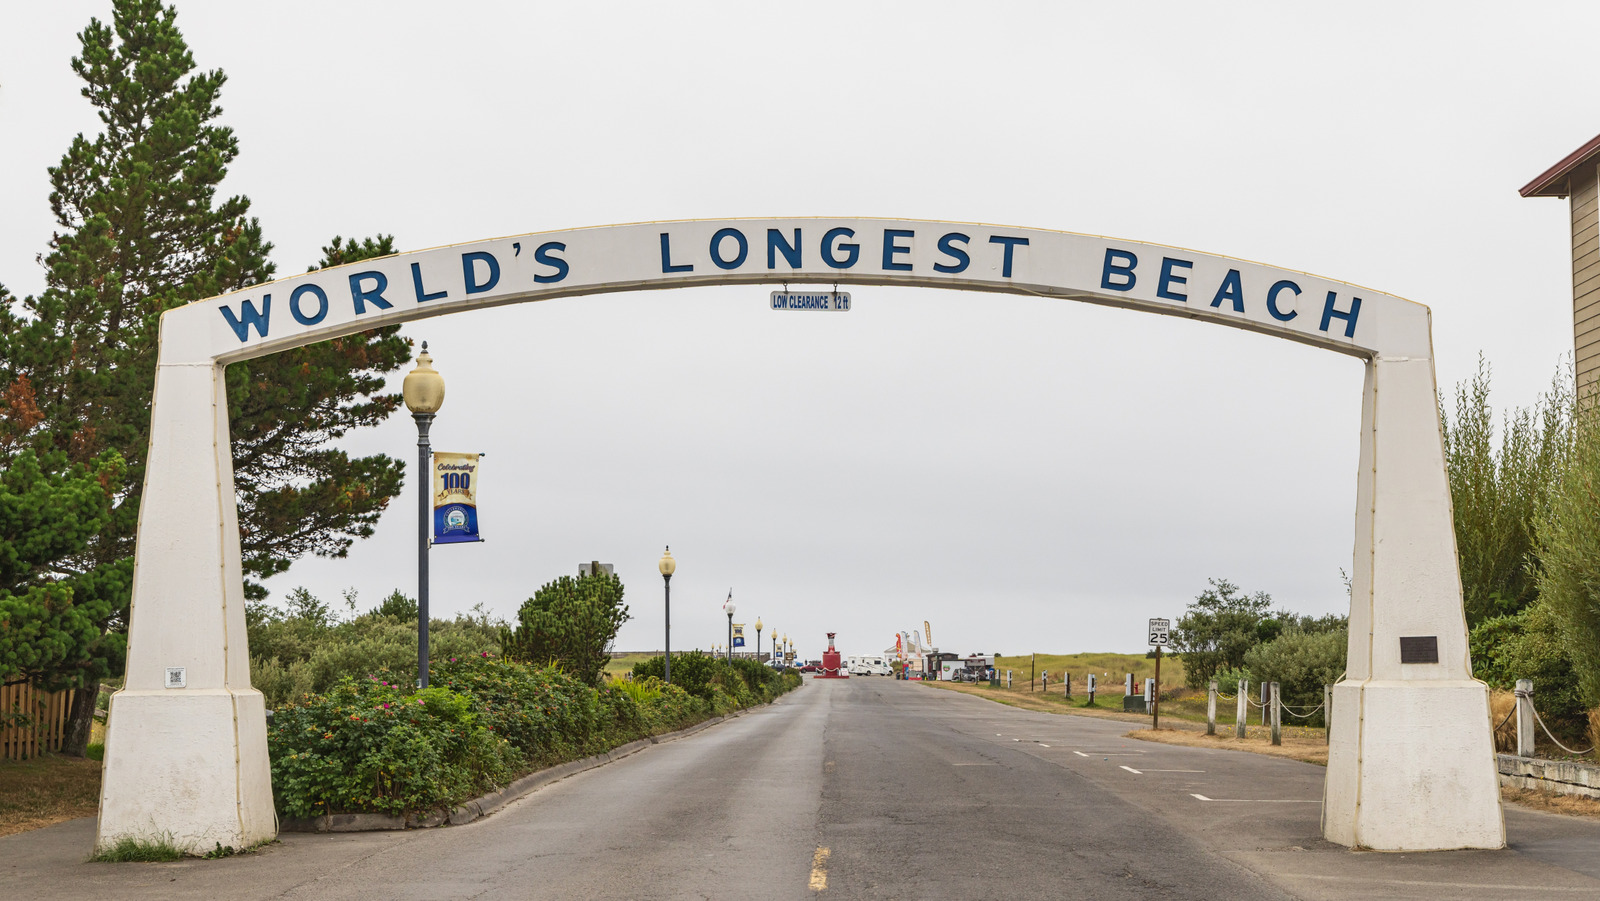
(80, 721)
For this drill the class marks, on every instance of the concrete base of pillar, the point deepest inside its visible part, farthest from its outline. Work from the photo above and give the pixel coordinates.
(189, 766)
(1411, 767)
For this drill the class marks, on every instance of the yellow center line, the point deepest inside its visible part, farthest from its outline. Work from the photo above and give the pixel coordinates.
(819, 871)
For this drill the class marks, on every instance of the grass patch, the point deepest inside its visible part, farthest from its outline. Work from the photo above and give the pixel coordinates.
(1309, 747)
(47, 790)
(96, 750)
(140, 850)
(1107, 668)
(624, 664)
(1299, 742)
(1551, 802)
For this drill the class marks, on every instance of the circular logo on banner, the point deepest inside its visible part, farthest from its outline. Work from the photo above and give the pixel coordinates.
(455, 520)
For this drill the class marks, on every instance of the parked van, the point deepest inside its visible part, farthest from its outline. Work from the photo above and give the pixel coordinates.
(870, 666)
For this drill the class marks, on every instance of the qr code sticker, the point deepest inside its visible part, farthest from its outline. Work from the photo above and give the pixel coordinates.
(176, 677)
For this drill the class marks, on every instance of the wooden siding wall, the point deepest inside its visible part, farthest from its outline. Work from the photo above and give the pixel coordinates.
(47, 712)
(1585, 274)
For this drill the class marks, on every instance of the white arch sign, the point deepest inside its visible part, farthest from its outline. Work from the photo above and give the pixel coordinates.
(1411, 764)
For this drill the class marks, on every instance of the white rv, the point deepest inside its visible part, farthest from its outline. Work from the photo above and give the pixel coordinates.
(870, 666)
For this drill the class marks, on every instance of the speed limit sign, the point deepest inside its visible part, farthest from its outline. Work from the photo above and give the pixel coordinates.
(1158, 631)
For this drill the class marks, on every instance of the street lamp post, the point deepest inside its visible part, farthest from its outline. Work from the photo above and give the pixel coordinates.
(667, 567)
(758, 639)
(423, 389)
(730, 607)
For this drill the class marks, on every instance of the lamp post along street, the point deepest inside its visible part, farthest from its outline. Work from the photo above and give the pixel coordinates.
(730, 607)
(423, 389)
(667, 566)
(758, 639)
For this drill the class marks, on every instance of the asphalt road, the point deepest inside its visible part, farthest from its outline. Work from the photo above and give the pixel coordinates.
(867, 788)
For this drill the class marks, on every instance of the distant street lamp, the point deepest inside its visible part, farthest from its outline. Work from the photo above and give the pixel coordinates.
(667, 567)
(730, 607)
(758, 639)
(423, 389)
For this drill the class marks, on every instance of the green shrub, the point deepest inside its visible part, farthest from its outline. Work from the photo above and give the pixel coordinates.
(1529, 645)
(305, 650)
(1301, 663)
(744, 681)
(374, 744)
(1567, 544)
(570, 622)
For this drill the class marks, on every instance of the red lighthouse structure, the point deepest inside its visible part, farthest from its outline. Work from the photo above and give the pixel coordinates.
(831, 669)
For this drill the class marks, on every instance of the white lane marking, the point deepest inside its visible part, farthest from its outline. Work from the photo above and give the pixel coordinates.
(1080, 754)
(1256, 800)
(1473, 885)
(1133, 771)
(1043, 745)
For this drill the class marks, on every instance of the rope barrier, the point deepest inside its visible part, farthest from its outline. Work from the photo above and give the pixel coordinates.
(1509, 714)
(1224, 697)
(1540, 720)
(1304, 716)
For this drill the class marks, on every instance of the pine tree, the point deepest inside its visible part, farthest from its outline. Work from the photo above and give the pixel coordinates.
(142, 229)
(571, 623)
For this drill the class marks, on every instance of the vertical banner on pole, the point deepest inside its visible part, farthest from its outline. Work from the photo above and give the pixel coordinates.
(738, 635)
(455, 498)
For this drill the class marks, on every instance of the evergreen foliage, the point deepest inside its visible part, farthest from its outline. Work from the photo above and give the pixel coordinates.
(569, 623)
(141, 228)
(54, 631)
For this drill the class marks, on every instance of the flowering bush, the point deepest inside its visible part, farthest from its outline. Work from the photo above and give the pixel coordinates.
(375, 745)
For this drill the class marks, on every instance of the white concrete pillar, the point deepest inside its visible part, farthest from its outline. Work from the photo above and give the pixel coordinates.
(1211, 708)
(1241, 715)
(187, 762)
(1411, 762)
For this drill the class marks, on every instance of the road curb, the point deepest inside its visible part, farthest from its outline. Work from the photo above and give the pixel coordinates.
(482, 806)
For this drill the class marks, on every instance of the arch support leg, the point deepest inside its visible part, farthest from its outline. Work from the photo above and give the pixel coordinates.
(1411, 764)
(186, 745)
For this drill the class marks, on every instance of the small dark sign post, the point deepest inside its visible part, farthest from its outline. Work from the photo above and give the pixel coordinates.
(1158, 637)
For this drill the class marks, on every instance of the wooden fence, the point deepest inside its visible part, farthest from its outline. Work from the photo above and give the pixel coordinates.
(44, 726)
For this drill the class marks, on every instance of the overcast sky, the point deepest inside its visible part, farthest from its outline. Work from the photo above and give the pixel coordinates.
(1026, 474)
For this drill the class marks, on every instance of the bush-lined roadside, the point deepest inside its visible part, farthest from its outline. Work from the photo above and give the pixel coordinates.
(373, 746)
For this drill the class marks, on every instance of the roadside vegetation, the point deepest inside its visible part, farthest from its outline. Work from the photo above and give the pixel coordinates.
(352, 733)
(1527, 522)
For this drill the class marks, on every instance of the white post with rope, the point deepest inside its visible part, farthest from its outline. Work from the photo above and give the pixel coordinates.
(1277, 715)
(1211, 708)
(1525, 733)
(1327, 714)
(1242, 712)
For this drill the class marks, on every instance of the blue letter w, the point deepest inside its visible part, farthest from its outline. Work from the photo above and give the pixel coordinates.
(250, 317)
